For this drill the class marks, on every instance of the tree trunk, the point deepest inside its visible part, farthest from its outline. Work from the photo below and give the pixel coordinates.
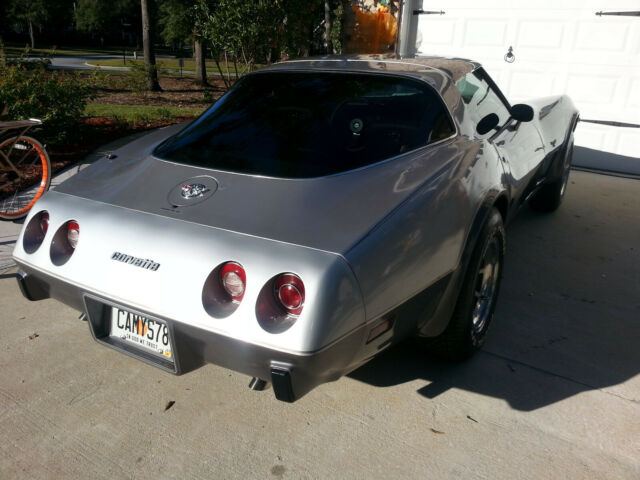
(327, 27)
(33, 41)
(200, 57)
(147, 43)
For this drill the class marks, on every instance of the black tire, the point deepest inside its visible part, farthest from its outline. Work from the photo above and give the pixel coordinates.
(550, 195)
(467, 329)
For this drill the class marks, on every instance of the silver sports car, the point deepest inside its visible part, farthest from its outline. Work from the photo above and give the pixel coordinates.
(319, 212)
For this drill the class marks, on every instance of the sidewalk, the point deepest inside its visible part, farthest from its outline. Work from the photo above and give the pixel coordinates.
(9, 231)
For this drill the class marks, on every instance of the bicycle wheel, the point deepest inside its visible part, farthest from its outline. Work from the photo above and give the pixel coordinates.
(25, 174)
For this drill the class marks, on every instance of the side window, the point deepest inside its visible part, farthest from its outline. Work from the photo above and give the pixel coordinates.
(442, 127)
(480, 98)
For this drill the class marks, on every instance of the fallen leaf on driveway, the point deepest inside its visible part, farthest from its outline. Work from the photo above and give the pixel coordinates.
(33, 335)
(168, 405)
(436, 431)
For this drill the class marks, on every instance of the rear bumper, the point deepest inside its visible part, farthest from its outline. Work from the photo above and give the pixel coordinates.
(291, 374)
(32, 288)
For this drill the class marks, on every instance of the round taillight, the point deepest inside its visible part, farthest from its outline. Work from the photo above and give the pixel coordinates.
(233, 279)
(44, 222)
(289, 290)
(35, 231)
(73, 233)
(64, 242)
(290, 297)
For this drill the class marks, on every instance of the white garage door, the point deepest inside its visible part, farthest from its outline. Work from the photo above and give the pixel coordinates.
(559, 46)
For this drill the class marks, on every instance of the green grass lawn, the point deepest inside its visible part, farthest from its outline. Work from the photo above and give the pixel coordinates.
(139, 113)
(15, 50)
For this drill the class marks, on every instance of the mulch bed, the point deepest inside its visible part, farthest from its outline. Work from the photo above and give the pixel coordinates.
(176, 92)
(92, 133)
(97, 131)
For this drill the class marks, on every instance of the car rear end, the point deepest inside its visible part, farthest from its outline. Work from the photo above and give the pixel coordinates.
(225, 243)
(177, 295)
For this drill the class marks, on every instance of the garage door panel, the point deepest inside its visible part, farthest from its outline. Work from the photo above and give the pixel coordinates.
(591, 136)
(440, 33)
(559, 47)
(540, 33)
(486, 33)
(629, 140)
(592, 89)
(603, 35)
(634, 93)
(526, 85)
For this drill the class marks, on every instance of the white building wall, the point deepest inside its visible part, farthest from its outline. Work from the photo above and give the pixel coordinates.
(560, 46)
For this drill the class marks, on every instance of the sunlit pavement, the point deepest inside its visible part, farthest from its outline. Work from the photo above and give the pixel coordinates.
(92, 62)
(554, 394)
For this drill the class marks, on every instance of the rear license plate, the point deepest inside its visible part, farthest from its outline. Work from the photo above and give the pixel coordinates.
(143, 332)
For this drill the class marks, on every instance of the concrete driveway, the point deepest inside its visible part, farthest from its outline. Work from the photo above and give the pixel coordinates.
(554, 394)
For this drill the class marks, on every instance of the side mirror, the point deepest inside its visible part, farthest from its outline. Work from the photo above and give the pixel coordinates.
(488, 123)
(522, 112)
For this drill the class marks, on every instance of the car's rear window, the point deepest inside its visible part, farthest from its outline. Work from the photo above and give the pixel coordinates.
(309, 124)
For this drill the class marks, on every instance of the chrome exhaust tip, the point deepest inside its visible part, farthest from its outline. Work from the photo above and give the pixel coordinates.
(258, 384)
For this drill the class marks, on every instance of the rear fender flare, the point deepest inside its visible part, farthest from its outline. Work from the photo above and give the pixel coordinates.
(556, 168)
(435, 325)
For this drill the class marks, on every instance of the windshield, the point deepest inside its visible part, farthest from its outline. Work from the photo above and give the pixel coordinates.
(310, 124)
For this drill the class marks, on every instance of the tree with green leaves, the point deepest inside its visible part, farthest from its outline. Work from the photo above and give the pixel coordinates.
(243, 33)
(99, 17)
(29, 13)
(223, 26)
(177, 27)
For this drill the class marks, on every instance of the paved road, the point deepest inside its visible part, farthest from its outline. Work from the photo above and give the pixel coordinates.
(80, 63)
(554, 394)
(91, 63)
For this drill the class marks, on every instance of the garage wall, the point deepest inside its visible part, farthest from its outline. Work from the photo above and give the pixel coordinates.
(559, 46)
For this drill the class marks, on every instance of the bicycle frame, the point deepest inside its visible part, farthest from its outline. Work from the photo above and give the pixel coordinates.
(16, 195)
(24, 126)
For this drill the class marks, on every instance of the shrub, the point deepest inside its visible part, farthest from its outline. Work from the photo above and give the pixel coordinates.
(58, 99)
(24, 61)
(208, 96)
(138, 75)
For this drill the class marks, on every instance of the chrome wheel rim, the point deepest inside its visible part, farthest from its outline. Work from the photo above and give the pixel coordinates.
(565, 173)
(565, 179)
(485, 287)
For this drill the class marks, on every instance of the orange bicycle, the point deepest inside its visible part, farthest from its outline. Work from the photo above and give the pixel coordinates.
(25, 169)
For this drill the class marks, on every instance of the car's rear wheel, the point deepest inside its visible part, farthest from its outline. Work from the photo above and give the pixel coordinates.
(550, 195)
(467, 329)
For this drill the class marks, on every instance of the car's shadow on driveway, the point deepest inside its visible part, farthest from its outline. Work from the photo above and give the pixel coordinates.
(568, 317)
